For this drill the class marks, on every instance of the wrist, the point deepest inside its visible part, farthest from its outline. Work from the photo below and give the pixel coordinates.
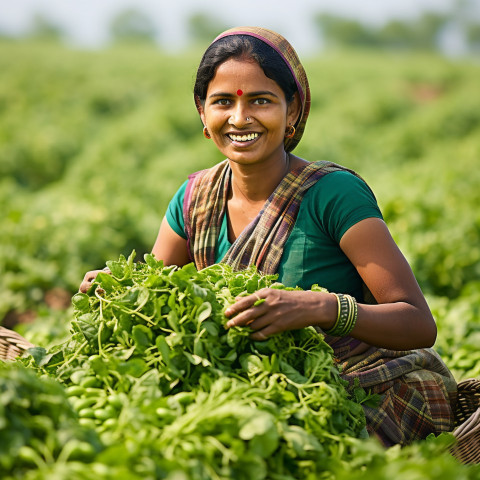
(324, 309)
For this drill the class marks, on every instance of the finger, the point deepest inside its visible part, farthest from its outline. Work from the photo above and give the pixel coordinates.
(259, 336)
(265, 333)
(242, 319)
(86, 284)
(242, 304)
(247, 317)
(260, 322)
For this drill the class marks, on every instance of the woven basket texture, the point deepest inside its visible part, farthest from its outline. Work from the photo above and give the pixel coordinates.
(467, 421)
(12, 344)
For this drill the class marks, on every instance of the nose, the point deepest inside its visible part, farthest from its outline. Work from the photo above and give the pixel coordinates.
(239, 116)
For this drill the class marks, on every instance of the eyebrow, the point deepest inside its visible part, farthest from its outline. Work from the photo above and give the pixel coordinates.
(251, 94)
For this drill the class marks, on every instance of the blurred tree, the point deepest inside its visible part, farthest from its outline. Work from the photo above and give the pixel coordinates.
(42, 28)
(466, 13)
(473, 36)
(427, 28)
(338, 31)
(396, 34)
(132, 25)
(421, 33)
(204, 28)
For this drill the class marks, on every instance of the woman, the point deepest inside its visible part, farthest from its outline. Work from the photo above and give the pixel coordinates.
(311, 223)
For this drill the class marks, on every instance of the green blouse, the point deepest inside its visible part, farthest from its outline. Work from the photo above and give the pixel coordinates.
(312, 254)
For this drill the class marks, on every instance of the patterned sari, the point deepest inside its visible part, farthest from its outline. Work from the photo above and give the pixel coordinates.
(416, 388)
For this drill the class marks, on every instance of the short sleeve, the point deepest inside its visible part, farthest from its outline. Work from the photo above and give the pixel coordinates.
(345, 200)
(174, 213)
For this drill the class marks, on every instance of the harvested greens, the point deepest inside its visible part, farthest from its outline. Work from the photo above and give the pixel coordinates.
(151, 385)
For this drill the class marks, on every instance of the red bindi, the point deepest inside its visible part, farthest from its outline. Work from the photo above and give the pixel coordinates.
(239, 92)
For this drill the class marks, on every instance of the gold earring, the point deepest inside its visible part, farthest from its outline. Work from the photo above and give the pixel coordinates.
(206, 134)
(290, 132)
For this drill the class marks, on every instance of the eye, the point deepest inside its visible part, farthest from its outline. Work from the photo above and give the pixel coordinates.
(222, 101)
(261, 101)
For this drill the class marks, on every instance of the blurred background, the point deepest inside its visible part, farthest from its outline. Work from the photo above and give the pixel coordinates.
(449, 26)
(98, 129)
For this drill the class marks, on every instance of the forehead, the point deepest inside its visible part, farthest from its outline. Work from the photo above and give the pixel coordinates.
(247, 75)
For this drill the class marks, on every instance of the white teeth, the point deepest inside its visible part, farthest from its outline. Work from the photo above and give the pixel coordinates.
(243, 138)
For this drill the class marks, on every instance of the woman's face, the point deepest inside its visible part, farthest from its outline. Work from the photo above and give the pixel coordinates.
(246, 113)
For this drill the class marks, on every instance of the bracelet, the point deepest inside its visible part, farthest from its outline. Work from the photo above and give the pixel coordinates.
(346, 316)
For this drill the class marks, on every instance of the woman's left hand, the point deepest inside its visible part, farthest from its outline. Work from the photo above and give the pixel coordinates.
(270, 311)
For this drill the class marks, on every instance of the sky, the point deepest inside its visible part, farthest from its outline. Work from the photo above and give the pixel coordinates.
(86, 21)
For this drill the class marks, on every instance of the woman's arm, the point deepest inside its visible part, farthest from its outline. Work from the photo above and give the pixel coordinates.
(400, 321)
(170, 247)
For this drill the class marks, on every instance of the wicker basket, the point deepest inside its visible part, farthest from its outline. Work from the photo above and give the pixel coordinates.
(467, 422)
(12, 344)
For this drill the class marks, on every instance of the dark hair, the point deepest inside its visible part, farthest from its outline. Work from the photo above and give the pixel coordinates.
(248, 47)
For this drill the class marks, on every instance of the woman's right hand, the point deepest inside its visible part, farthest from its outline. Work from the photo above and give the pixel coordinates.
(89, 278)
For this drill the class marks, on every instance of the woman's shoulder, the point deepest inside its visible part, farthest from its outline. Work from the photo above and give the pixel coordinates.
(339, 183)
(338, 200)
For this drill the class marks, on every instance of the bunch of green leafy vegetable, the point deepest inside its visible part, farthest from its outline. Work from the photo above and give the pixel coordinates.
(428, 459)
(150, 366)
(38, 426)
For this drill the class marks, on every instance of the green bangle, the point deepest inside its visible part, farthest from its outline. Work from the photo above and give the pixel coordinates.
(346, 316)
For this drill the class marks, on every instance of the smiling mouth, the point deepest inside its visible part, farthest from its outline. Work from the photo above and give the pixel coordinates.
(243, 138)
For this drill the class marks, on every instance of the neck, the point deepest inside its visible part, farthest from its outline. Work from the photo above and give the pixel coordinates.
(255, 183)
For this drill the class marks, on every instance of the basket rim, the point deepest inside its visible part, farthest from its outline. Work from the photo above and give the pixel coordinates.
(13, 344)
(469, 427)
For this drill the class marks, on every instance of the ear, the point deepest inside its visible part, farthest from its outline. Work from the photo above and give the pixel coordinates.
(199, 104)
(293, 109)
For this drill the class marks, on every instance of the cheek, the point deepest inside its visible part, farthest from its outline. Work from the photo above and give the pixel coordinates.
(216, 120)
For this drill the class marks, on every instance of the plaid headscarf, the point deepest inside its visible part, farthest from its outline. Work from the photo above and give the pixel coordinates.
(290, 57)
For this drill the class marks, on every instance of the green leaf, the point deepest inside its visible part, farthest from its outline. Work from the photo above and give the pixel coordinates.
(266, 443)
(163, 348)
(152, 262)
(252, 285)
(89, 327)
(81, 303)
(211, 328)
(259, 424)
(198, 347)
(99, 366)
(142, 336)
(40, 355)
(107, 281)
(143, 297)
(252, 364)
(172, 319)
(299, 440)
(292, 373)
(197, 360)
(197, 291)
(204, 311)
(135, 367)
(117, 268)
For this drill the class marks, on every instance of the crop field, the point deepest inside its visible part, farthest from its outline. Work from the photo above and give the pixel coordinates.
(93, 144)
